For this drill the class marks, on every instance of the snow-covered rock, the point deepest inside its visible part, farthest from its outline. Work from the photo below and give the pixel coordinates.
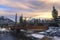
(37, 35)
(56, 38)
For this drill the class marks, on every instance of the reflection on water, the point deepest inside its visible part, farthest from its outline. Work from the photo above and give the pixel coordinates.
(13, 36)
(7, 36)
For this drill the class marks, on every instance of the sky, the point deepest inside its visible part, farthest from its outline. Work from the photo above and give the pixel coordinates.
(29, 8)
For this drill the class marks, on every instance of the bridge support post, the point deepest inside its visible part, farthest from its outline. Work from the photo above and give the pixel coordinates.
(17, 30)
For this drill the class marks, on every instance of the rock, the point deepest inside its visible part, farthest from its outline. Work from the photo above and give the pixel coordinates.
(46, 38)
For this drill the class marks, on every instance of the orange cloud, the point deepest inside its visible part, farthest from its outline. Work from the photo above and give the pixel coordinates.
(50, 1)
(13, 4)
(44, 15)
(39, 10)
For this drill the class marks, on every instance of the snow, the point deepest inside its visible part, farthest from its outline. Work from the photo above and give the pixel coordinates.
(37, 35)
(57, 38)
(53, 33)
(3, 29)
(41, 36)
(52, 30)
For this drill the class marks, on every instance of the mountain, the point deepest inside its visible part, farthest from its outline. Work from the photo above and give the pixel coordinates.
(4, 21)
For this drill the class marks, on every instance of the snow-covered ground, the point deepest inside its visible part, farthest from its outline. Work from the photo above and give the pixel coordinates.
(57, 38)
(4, 30)
(37, 35)
(51, 32)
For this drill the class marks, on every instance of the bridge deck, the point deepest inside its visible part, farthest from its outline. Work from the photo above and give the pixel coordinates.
(30, 27)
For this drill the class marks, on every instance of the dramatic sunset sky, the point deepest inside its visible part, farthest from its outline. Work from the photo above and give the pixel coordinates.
(29, 8)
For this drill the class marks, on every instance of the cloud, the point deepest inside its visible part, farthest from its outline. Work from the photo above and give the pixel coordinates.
(50, 1)
(28, 8)
(31, 5)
